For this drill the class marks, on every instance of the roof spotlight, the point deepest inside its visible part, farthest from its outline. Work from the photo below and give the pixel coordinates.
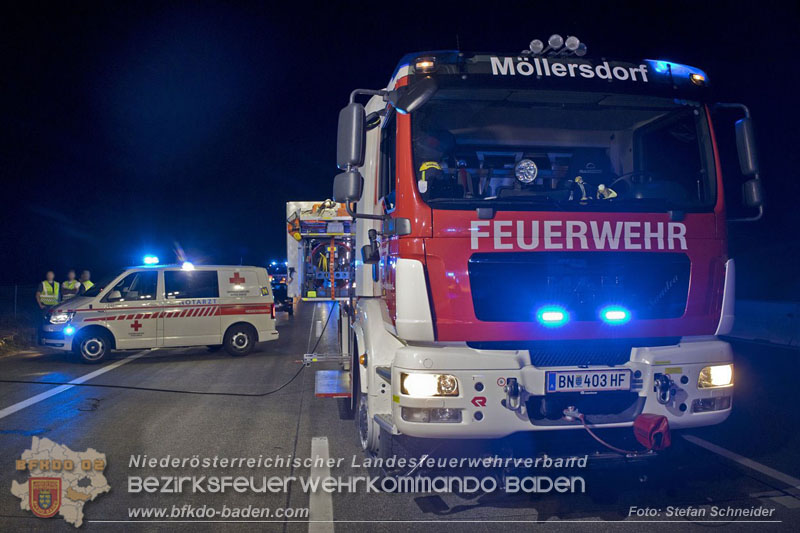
(572, 43)
(581, 50)
(555, 41)
(536, 46)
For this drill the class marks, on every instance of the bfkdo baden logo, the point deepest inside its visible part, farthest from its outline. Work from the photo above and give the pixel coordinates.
(45, 496)
(60, 481)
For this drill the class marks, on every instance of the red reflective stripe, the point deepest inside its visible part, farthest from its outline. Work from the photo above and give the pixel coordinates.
(246, 309)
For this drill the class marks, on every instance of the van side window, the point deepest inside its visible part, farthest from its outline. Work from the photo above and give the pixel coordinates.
(191, 284)
(138, 286)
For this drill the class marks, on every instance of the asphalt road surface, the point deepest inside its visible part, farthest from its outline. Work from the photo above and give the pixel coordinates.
(751, 461)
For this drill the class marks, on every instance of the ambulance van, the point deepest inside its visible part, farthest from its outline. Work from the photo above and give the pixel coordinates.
(166, 306)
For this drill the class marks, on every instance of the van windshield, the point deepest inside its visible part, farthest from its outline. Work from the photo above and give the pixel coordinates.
(98, 287)
(562, 150)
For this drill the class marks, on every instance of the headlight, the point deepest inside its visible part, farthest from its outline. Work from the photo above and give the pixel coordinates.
(715, 376)
(61, 318)
(428, 385)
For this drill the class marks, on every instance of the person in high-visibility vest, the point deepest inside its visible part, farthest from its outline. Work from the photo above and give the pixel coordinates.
(70, 288)
(86, 283)
(48, 292)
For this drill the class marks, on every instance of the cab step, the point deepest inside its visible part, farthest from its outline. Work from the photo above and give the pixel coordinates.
(385, 422)
(332, 384)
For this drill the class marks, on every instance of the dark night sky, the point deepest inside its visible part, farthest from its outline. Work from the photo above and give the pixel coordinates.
(127, 128)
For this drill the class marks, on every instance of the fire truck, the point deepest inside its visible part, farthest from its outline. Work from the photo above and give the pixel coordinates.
(543, 247)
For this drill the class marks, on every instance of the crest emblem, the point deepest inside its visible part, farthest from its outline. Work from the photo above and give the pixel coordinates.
(45, 496)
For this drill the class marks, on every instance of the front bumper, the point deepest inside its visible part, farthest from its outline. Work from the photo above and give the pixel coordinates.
(55, 336)
(482, 375)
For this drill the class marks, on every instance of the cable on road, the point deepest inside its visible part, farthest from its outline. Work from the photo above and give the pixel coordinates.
(177, 391)
(154, 389)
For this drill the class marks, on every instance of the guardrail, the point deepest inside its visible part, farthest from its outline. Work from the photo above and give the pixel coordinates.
(18, 300)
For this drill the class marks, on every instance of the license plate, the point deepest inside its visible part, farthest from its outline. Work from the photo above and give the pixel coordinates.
(588, 380)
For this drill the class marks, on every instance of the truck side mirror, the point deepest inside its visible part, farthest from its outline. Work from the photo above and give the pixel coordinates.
(347, 187)
(351, 136)
(746, 146)
(752, 193)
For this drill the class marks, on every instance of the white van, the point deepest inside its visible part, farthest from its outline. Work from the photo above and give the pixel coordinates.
(166, 306)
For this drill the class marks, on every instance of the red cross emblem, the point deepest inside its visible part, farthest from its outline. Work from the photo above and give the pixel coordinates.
(236, 279)
(136, 326)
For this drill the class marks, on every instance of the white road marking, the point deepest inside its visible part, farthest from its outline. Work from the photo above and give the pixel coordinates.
(744, 461)
(320, 503)
(787, 501)
(61, 388)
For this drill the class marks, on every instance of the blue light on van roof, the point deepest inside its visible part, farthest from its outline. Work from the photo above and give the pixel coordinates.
(661, 66)
(552, 316)
(150, 260)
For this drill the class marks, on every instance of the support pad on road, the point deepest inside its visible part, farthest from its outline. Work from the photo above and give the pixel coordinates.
(332, 384)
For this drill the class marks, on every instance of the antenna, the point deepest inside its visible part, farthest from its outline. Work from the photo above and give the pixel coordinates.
(458, 44)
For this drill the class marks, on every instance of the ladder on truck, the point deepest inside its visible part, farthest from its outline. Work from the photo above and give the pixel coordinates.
(334, 383)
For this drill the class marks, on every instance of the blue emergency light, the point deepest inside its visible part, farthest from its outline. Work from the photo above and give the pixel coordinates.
(69, 330)
(614, 315)
(552, 316)
(150, 260)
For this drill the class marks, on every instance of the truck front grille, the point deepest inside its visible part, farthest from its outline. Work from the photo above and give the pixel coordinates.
(513, 286)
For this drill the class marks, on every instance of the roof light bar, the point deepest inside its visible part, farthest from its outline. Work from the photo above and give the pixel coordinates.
(557, 45)
(425, 65)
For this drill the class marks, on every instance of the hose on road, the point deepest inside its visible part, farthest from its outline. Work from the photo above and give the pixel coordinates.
(154, 389)
(178, 391)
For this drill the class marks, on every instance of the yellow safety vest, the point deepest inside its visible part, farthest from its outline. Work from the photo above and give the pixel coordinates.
(71, 285)
(87, 285)
(49, 294)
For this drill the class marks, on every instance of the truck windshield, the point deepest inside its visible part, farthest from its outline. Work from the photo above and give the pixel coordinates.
(544, 150)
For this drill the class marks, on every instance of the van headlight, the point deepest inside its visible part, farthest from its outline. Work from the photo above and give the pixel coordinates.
(61, 318)
(428, 385)
(715, 376)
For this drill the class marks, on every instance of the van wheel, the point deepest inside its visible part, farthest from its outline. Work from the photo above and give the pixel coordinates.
(239, 340)
(93, 347)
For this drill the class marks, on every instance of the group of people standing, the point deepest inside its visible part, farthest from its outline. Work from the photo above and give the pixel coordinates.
(51, 292)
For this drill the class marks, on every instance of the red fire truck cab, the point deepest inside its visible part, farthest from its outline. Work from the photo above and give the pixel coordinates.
(538, 232)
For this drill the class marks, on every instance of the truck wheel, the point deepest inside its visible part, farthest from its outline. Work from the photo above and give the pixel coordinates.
(239, 340)
(93, 347)
(368, 430)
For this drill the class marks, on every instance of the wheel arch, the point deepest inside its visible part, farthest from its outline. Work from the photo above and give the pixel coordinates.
(242, 323)
(93, 328)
